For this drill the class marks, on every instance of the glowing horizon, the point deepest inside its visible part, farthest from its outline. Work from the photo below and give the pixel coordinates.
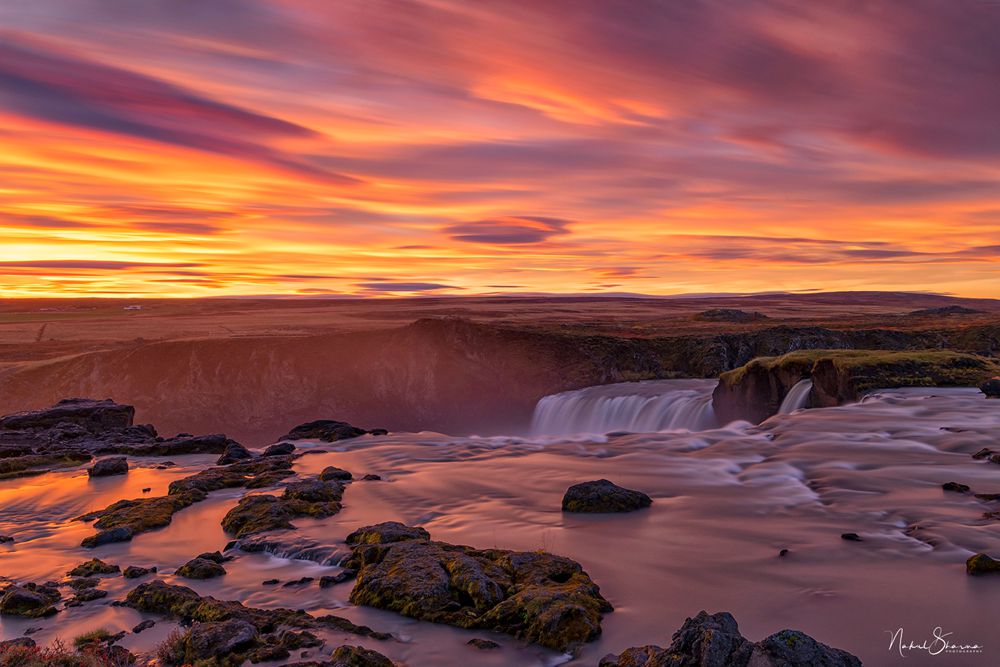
(401, 147)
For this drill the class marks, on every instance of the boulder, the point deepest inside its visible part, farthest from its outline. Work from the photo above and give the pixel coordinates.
(134, 571)
(23, 601)
(335, 473)
(714, 640)
(111, 465)
(220, 638)
(233, 452)
(279, 449)
(261, 513)
(326, 430)
(92, 567)
(539, 597)
(200, 568)
(603, 496)
(358, 656)
(87, 413)
(991, 387)
(982, 564)
(957, 487)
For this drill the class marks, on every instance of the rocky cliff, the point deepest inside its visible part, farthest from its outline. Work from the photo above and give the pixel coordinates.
(756, 390)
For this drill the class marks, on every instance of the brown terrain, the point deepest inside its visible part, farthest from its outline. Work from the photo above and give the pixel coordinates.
(255, 367)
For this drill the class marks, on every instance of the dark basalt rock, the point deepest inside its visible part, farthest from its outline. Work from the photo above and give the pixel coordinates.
(234, 452)
(603, 496)
(205, 641)
(187, 606)
(334, 473)
(326, 430)
(982, 564)
(143, 625)
(483, 644)
(279, 449)
(358, 656)
(112, 465)
(261, 513)
(200, 568)
(120, 521)
(30, 601)
(92, 567)
(539, 597)
(93, 416)
(134, 571)
(339, 578)
(714, 640)
(87, 595)
(83, 583)
(6, 539)
(956, 487)
(991, 387)
(850, 537)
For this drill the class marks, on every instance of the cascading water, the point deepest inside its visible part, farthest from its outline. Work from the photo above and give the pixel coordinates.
(796, 398)
(638, 407)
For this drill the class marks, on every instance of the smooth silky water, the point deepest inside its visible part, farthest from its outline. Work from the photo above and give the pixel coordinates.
(726, 500)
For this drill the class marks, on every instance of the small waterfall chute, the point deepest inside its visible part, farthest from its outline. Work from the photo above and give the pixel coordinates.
(639, 407)
(797, 397)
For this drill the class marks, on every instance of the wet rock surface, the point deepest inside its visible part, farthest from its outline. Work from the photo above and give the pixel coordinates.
(991, 387)
(714, 640)
(201, 568)
(30, 601)
(601, 496)
(327, 430)
(261, 513)
(233, 452)
(982, 564)
(93, 567)
(539, 597)
(112, 465)
(74, 430)
(121, 521)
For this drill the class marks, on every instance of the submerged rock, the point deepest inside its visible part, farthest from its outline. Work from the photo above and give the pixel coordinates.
(956, 487)
(483, 644)
(326, 430)
(134, 571)
(603, 496)
(714, 640)
(112, 465)
(539, 597)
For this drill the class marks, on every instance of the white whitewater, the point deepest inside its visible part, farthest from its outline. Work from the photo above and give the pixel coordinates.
(637, 407)
(796, 398)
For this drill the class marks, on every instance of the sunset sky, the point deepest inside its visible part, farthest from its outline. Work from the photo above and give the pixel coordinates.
(399, 147)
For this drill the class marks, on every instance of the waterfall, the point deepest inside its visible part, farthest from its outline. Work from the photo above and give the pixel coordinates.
(796, 398)
(640, 407)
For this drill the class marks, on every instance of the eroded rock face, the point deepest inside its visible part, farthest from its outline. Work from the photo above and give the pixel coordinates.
(539, 597)
(603, 496)
(112, 465)
(714, 640)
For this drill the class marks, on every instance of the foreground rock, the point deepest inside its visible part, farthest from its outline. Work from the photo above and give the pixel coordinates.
(201, 568)
(234, 452)
(991, 387)
(539, 597)
(755, 391)
(228, 632)
(982, 564)
(715, 641)
(326, 430)
(121, 521)
(261, 513)
(74, 430)
(603, 496)
(29, 600)
(112, 465)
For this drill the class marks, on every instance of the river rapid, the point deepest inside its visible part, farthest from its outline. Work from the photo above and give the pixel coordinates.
(726, 500)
